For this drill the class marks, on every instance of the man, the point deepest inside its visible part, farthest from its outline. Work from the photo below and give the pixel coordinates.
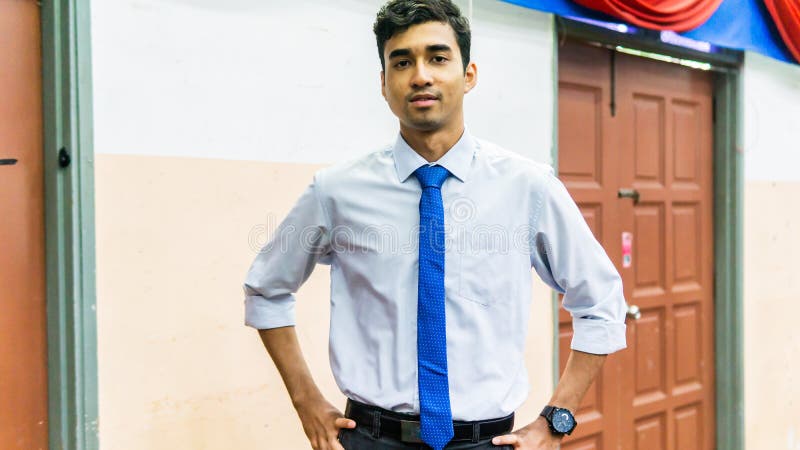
(427, 330)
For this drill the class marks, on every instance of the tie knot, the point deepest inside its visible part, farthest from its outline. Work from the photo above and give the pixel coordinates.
(431, 176)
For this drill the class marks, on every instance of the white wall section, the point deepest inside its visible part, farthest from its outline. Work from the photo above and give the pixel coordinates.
(771, 119)
(293, 81)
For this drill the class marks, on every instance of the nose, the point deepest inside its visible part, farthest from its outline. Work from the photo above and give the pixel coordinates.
(421, 77)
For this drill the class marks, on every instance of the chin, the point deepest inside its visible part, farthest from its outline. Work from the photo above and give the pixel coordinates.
(424, 124)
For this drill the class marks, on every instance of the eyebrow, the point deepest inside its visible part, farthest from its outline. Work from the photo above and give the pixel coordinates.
(430, 49)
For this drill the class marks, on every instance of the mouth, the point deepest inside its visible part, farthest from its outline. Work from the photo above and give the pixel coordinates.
(423, 100)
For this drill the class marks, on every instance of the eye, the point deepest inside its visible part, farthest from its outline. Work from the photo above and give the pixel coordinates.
(401, 64)
(440, 59)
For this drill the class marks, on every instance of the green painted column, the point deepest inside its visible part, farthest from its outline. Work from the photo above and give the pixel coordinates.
(69, 225)
(728, 276)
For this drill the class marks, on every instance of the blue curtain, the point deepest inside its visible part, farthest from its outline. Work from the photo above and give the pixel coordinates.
(737, 24)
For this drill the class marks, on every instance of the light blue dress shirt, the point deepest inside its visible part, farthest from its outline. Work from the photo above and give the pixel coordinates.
(504, 214)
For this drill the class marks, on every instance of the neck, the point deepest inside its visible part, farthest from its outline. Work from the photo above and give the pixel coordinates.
(432, 145)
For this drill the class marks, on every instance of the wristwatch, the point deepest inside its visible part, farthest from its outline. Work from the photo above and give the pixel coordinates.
(560, 420)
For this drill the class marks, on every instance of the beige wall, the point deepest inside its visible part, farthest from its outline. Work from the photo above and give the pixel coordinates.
(177, 367)
(772, 296)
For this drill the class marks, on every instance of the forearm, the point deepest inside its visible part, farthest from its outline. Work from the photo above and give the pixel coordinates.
(580, 372)
(284, 349)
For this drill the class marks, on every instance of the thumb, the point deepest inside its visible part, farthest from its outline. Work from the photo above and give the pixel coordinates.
(344, 422)
(506, 439)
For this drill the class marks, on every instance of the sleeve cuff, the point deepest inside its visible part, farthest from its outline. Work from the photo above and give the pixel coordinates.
(263, 314)
(598, 337)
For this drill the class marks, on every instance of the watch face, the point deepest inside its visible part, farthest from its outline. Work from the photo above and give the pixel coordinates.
(562, 420)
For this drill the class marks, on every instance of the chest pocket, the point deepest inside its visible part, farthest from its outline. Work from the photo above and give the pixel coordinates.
(485, 270)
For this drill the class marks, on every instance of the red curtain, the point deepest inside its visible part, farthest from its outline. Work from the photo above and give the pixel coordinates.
(675, 15)
(786, 14)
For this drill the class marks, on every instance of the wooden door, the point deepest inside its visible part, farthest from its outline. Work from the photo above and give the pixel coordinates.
(658, 393)
(23, 350)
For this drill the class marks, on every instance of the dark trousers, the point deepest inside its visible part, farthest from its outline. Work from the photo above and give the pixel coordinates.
(358, 439)
(363, 438)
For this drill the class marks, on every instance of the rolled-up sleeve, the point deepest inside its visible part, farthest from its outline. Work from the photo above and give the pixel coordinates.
(300, 241)
(569, 259)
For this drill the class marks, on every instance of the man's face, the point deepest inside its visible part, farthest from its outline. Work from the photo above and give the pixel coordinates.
(424, 80)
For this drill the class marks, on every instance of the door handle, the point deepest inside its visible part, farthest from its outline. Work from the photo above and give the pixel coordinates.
(633, 312)
(629, 193)
(7, 162)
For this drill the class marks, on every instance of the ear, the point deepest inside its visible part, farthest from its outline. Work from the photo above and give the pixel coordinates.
(470, 77)
(383, 84)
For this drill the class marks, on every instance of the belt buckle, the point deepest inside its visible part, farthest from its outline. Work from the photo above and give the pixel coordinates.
(409, 431)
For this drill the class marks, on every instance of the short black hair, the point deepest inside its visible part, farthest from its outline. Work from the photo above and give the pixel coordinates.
(396, 16)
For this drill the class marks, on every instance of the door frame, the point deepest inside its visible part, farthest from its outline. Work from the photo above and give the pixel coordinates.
(69, 225)
(728, 172)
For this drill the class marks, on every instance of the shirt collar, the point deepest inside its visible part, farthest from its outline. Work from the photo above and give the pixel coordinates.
(457, 160)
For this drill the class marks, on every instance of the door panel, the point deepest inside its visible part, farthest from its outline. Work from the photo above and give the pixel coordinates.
(23, 350)
(677, 246)
(659, 392)
(591, 178)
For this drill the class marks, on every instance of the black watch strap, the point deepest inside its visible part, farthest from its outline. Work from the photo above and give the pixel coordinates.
(546, 412)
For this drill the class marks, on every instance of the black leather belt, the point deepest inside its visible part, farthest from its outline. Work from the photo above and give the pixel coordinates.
(405, 427)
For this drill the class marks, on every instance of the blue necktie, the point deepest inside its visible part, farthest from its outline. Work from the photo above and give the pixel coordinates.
(434, 392)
